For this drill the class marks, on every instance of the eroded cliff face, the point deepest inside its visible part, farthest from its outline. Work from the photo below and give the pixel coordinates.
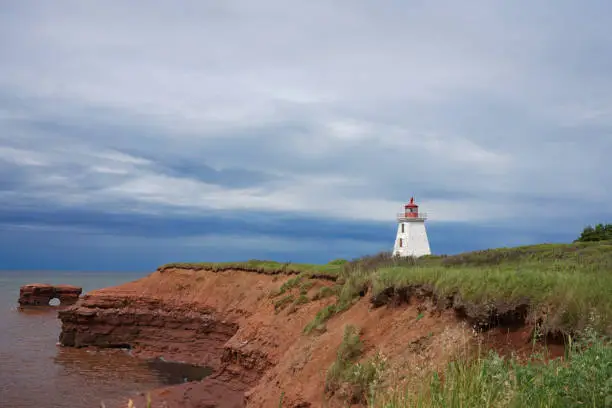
(228, 321)
(224, 320)
(146, 325)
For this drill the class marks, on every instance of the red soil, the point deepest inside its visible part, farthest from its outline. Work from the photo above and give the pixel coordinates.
(227, 320)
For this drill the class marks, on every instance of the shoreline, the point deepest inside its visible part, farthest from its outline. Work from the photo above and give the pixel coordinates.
(268, 334)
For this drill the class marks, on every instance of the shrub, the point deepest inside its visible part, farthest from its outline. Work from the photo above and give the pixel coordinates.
(601, 232)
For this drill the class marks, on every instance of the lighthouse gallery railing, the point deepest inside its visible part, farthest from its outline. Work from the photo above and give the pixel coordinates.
(419, 215)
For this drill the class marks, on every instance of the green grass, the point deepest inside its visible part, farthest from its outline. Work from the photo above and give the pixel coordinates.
(290, 284)
(350, 349)
(360, 377)
(305, 287)
(573, 282)
(318, 323)
(329, 271)
(570, 283)
(584, 379)
(302, 300)
(283, 302)
(353, 283)
(326, 291)
(347, 296)
(570, 294)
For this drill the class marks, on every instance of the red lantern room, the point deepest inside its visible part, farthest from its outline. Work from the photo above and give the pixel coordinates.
(411, 210)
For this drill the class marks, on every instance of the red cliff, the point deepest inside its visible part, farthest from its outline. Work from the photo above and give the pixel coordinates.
(231, 321)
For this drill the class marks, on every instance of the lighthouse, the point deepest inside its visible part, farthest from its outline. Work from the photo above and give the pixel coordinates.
(411, 239)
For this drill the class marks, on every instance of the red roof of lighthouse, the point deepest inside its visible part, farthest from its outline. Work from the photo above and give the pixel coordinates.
(411, 204)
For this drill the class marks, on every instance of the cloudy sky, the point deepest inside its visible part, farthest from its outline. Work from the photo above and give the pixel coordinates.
(134, 133)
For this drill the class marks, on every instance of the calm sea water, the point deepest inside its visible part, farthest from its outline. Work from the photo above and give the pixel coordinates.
(35, 372)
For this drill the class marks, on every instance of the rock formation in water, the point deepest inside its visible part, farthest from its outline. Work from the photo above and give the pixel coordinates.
(40, 294)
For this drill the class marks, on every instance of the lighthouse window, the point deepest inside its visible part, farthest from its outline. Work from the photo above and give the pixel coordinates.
(401, 240)
(402, 228)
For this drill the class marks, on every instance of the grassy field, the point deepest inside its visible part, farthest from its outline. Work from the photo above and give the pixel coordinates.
(570, 285)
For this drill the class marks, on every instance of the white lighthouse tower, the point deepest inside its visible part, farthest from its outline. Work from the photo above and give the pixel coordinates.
(411, 239)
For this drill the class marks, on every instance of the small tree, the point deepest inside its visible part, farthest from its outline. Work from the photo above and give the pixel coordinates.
(600, 232)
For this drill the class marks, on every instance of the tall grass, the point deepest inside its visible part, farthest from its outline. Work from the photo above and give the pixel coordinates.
(570, 294)
(569, 282)
(359, 377)
(583, 379)
(330, 270)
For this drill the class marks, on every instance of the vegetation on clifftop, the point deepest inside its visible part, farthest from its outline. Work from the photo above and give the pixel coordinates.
(564, 288)
(329, 271)
(558, 288)
(566, 284)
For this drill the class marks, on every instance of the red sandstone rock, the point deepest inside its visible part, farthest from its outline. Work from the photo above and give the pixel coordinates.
(227, 321)
(40, 294)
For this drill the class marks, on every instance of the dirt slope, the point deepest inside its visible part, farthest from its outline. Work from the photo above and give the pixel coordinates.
(228, 321)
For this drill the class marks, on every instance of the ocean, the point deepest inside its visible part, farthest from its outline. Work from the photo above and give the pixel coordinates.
(36, 373)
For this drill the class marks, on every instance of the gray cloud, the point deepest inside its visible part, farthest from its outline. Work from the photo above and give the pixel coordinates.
(341, 110)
